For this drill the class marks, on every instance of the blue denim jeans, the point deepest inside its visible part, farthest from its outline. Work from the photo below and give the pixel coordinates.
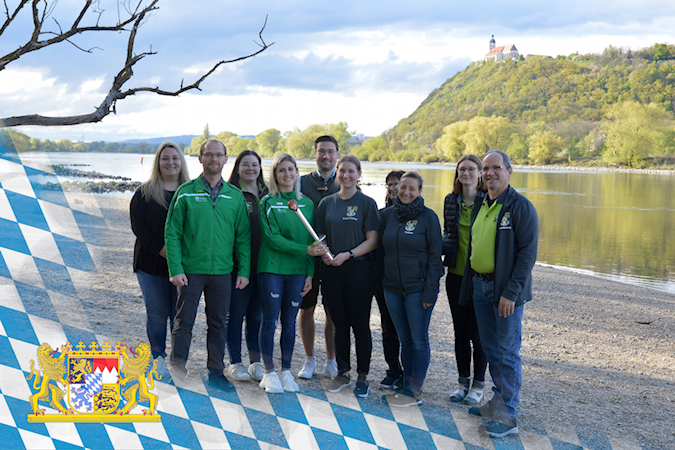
(279, 294)
(412, 325)
(245, 302)
(160, 306)
(500, 338)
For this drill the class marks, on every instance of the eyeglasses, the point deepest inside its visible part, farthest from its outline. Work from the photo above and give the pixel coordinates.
(487, 169)
(465, 170)
(213, 155)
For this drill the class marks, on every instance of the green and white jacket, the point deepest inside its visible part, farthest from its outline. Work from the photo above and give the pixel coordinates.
(201, 235)
(283, 250)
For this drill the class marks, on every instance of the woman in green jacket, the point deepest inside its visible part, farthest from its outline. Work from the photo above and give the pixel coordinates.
(285, 268)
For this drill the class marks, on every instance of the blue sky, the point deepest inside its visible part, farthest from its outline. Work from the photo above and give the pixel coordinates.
(367, 63)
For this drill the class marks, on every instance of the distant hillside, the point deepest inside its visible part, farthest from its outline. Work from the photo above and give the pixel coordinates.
(579, 89)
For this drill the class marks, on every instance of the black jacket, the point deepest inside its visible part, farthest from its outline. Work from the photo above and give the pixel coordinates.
(515, 249)
(411, 253)
(147, 222)
(451, 213)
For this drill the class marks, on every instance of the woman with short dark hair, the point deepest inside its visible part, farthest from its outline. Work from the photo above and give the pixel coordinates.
(411, 245)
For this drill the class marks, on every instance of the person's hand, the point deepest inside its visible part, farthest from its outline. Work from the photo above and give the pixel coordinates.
(506, 307)
(241, 283)
(317, 249)
(307, 286)
(162, 252)
(340, 258)
(426, 305)
(179, 280)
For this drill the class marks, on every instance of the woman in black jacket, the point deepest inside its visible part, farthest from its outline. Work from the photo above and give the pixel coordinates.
(467, 188)
(247, 176)
(411, 248)
(148, 211)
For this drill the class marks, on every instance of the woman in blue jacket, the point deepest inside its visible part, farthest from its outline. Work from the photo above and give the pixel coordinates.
(411, 245)
(467, 188)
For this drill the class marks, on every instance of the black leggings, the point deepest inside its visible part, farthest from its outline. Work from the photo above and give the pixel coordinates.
(466, 332)
(347, 293)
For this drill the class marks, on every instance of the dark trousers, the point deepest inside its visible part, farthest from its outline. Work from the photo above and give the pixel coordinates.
(390, 342)
(348, 293)
(245, 302)
(217, 291)
(466, 332)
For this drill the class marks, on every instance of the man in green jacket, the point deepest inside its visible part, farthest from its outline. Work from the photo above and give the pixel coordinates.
(206, 223)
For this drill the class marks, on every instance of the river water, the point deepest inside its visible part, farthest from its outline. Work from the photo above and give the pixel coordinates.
(611, 225)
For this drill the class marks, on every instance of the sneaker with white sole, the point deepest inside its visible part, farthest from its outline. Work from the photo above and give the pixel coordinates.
(271, 383)
(288, 382)
(256, 371)
(473, 397)
(460, 394)
(339, 382)
(362, 389)
(239, 372)
(330, 369)
(501, 425)
(402, 399)
(308, 368)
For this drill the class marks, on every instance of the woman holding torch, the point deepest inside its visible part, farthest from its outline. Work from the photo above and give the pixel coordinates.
(350, 221)
(285, 267)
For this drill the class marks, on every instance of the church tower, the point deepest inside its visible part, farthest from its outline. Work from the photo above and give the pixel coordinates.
(492, 42)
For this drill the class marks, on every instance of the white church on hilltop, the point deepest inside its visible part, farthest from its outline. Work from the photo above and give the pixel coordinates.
(503, 52)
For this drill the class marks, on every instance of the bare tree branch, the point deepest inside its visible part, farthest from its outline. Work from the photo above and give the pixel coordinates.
(35, 44)
(11, 17)
(115, 93)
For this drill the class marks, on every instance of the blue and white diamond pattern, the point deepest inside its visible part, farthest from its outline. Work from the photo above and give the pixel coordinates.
(48, 233)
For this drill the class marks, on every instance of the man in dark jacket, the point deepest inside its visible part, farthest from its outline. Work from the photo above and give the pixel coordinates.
(498, 280)
(318, 185)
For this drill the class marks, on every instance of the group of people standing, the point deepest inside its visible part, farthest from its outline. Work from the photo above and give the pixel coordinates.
(242, 246)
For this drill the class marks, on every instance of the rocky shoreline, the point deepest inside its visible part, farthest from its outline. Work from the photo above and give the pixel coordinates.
(97, 187)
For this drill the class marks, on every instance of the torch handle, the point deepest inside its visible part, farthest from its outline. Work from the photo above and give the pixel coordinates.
(307, 225)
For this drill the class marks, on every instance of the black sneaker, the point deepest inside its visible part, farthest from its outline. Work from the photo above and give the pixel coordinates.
(362, 389)
(392, 381)
(219, 380)
(501, 426)
(402, 399)
(487, 411)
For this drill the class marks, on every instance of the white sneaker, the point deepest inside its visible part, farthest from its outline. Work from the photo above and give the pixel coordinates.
(271, 383)
(256, 371)
(460, 394)
(330, 369)
(238, 372)
(287, 381)
(474, 396)
(308, 368)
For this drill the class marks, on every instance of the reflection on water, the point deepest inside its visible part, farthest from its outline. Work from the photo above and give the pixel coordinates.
(613, 224)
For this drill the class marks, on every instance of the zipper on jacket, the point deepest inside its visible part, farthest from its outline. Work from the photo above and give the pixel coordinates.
(213, 228)
(398, 257)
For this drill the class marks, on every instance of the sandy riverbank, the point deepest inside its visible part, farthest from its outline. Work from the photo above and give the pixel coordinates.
(597, 355)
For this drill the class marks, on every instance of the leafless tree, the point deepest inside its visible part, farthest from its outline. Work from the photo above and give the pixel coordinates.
(135, 14)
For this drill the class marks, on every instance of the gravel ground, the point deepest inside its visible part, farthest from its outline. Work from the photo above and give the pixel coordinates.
(597, 355)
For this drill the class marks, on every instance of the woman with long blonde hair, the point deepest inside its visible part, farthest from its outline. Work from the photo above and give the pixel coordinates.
(147, 211)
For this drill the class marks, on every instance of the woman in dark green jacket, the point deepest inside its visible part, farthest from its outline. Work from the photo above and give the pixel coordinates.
(285, 267)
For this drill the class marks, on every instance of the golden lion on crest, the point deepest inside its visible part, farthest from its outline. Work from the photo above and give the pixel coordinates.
(134, 370)
(53, 369)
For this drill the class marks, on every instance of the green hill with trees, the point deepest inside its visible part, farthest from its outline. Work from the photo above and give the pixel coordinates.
(615, 107)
